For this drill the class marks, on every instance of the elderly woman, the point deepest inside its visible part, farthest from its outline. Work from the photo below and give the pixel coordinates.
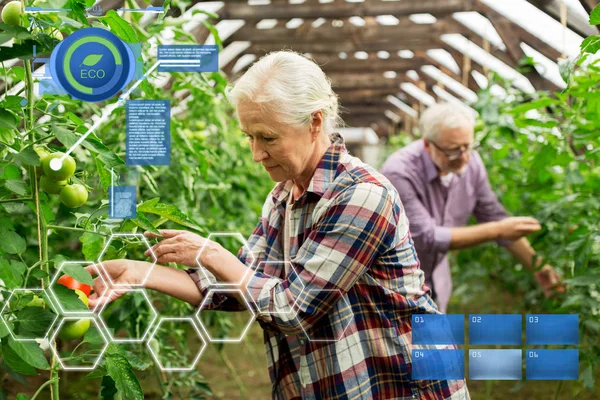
(330, 270)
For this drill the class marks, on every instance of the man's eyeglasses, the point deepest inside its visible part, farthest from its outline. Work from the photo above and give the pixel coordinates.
(456, 153)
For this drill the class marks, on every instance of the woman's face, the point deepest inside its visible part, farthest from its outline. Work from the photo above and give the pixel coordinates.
(284, 151)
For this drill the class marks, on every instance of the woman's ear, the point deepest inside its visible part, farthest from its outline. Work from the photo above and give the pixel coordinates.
(316, 125)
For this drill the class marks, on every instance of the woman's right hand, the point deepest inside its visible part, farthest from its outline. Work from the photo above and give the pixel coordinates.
(125, 274)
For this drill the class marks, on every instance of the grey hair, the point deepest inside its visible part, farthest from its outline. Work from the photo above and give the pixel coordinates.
(447, 115)
(291, 86)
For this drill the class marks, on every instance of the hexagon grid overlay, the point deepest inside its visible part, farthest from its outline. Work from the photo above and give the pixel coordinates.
(271, 268)
(341, 331)
(133, 235)
(6, 323)
(156, 357)
(58, 274)
(148, 328)
(214, 236)
(226, 339)
(67, 367)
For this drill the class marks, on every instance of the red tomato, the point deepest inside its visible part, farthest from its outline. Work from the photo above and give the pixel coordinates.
(71, 283)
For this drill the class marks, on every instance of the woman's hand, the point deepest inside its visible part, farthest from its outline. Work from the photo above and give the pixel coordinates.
(550, 281)
(181, 247)
(124, 273)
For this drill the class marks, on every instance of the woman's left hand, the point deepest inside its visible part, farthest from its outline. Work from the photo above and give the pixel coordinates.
(181, 247)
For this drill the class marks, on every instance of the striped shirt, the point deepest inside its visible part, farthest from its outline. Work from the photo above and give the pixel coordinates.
(337, 317)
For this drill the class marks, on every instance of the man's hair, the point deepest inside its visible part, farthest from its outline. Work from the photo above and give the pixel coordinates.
(440, 115)
(290, 86)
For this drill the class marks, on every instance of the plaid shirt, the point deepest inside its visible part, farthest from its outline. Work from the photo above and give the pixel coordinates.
(337, 318)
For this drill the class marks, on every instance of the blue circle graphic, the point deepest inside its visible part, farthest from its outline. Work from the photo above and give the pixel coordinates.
(92, 64)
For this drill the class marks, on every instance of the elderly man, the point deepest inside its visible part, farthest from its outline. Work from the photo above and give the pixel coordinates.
(336, 279)
(442, 182)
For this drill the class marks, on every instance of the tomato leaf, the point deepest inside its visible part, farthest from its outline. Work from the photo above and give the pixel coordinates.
(93, 336)
(109, 389)
(30, 352)
(92, 245)
(22, 396)
(17, 186)
(12, 277)
(169, 212)
(144, 223)
(7, 119)
(119, 26)
(77, 272)
(595, 16)
(35, 319)
(15, 362)
(69, 300)
(119, 369)
(99, 372)
(12, 243)
(28, 157)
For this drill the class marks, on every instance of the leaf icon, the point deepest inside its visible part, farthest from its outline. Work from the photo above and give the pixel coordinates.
(91, 59)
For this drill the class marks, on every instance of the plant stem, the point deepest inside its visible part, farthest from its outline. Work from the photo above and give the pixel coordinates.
(41, 388)
(19, 200)
(68, 228)
(557, 393)
(233, 373)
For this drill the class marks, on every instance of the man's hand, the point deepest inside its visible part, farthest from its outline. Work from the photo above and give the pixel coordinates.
(181, 247)
(513, 228)
(124, 273)
(549, 280)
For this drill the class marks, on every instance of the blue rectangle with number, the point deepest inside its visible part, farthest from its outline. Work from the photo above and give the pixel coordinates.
(495, 328)
(495, 364)
(438, 328)
(188, 58)
(552, 365)
(552, 328)
(438, 364)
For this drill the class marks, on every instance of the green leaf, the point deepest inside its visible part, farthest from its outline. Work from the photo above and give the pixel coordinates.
(144, 223)
(119, 369)
(595, 16)
(7, 119)
(22, 396)
(587, 377)
(533, 105)
(10, 31)
(172, 213)
(591, 44)
(12, 243)
(3, 330)
(133, 359)
(17, 186)
(108, 388)
(15, 362)
(69, 300)
(28, 157)
(119, 26)
(92, 245)
(12, 277)
(30, 352)
(103, 174)
(22, 50)
(78, 273)
(35, 319)
(11, 172)
(91, 143)
(99, 372)
(91, 59)
(93, 336)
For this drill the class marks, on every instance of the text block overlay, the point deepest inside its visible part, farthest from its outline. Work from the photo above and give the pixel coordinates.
(148, 132)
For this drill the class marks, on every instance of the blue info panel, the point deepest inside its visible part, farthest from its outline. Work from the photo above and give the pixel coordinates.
(188, 58)
(438, 329)
(552, 329)
(552, 365)
(438, 364)
(495, 328)
(495, 364)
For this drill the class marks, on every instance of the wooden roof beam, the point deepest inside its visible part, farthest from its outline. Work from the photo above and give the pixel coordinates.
(343, 9)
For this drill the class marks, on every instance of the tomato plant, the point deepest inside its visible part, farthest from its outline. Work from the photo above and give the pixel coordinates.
(211, 185)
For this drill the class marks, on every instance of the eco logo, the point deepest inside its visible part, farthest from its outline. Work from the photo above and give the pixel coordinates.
(92, 64)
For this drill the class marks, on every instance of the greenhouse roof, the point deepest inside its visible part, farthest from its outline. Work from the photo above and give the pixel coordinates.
(414, 51)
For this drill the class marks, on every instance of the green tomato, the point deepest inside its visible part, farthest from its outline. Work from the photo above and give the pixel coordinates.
(76, 329)
(11, 13)
(36, 302)
(154, 345)
(51, 187)
(66, 170)
(73, 196)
